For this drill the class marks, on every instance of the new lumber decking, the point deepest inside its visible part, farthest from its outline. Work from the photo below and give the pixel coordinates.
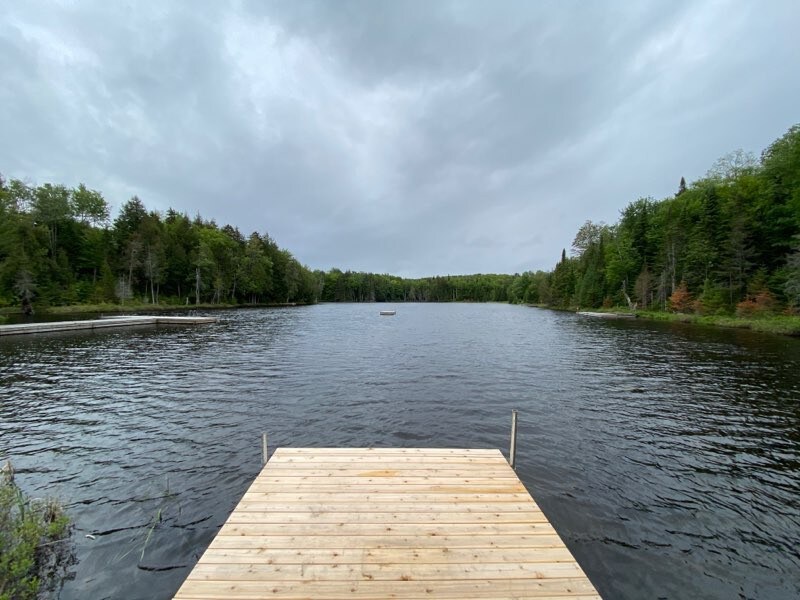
(387, 523)
(122, 321)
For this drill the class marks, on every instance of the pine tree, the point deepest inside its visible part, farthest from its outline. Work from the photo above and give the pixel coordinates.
(681, 187)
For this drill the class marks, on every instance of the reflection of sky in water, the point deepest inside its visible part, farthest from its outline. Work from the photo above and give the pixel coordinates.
(666, 455)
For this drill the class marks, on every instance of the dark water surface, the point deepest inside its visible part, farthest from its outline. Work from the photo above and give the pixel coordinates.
(667, 456)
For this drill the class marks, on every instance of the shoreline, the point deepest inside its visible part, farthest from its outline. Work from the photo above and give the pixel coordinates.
(776, 324)
(90, 309)
(786, 325)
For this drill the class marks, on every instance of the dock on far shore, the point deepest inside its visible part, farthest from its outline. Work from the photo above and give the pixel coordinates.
(336, 523)
(120, 321)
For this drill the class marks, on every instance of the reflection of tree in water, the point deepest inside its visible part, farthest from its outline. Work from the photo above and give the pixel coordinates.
(25, 289)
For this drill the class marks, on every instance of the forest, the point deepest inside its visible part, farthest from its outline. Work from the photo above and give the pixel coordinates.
(57, 247)
(728, 243)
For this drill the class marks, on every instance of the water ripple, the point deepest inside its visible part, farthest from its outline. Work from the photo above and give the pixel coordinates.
(667, 456)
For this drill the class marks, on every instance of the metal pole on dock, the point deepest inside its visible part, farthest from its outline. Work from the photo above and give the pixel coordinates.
(264, 454)
(512, 450)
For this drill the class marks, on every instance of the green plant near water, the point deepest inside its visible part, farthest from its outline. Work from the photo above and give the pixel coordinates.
(780, 324)
(36, 547)
(167, 496)
(156, 521)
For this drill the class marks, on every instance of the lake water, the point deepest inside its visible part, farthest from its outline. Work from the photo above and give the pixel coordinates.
(667, 456)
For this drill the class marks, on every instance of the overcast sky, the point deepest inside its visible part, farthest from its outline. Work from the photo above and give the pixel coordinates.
(414, 138)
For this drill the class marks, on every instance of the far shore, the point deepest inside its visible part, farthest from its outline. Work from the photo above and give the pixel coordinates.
(779, 324)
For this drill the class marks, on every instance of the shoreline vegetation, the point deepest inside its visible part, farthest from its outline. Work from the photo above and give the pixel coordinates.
(724, 250)
(36, 537)
(777, 324)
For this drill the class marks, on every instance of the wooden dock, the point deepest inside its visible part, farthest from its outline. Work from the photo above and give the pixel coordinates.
(607, 315)
(340, 523)
(122, 321)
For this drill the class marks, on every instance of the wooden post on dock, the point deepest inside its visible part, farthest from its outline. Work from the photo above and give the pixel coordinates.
(264, 454)
(512, 450)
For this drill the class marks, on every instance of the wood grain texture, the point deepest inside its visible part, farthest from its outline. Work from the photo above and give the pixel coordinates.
(330, 523)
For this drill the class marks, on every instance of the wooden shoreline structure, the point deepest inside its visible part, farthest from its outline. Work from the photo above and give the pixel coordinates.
(607, 315)
(106, 323)
(376, 523)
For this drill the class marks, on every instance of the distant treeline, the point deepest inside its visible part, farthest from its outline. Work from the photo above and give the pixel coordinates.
(729, 242)
(726, 243)
(369, 287)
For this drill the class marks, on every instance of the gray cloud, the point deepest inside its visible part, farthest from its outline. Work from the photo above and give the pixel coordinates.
(406, 137)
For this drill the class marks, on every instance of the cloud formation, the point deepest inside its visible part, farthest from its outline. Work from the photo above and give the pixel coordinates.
(414, 138)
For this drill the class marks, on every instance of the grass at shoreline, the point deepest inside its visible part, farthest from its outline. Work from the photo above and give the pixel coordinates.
(780, 324)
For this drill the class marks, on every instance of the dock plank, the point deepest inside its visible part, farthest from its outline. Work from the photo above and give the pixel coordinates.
(286, 450)
(378, 497)
(250, 527)
(380, 590)
(387, 523)
(259, 571)
(383, 541)
(359, 471)
(261, 513)
(385, 459)
(268, 504)
(367, 479)
(436, 555)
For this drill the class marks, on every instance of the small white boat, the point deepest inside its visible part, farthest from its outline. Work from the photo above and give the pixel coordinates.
(388, 313)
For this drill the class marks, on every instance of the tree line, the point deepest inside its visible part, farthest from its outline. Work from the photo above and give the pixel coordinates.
(726, 243)
(351, 286)
(57, 246)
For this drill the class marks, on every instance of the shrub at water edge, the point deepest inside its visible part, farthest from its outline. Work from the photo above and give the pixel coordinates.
(36, 548)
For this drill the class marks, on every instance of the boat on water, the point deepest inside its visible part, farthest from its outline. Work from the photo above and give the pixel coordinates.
(388, 313)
